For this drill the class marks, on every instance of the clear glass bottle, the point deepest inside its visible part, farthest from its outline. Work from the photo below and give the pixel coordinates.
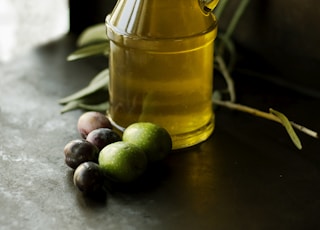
(161, 66)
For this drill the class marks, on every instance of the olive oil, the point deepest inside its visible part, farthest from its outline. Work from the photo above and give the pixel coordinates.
(161, 67)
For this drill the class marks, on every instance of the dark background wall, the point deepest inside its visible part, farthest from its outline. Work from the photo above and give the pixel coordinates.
(84, 13)
(278, 40)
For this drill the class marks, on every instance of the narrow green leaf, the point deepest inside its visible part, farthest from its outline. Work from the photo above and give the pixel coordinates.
(92, 35)
(72, 105)
(100, 76)
(286, 123)
(79, 104)
(97, 99)
(102, 107)
(88, 51)
(101, 82)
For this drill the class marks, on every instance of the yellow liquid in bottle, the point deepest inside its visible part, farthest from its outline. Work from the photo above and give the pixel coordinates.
(164, 80)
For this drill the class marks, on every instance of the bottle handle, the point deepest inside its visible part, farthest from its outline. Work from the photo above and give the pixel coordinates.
(207, 6)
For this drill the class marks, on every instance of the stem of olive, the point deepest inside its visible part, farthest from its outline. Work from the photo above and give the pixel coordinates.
(224, 71)
(259, 113)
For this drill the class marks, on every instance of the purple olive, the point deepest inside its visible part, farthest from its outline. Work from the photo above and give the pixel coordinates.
(88, 178)
(79, 151)
(90, 121)
(102, 137)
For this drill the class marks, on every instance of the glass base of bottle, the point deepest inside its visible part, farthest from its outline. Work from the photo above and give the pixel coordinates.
(183, 140)
(195, 137)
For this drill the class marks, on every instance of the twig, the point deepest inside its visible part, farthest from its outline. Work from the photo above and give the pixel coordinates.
(235, 19)
(305, 130)
(259, 113)
(224, 71)
(221, 6)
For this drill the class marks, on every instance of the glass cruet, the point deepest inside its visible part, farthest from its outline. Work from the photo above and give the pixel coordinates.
(161, 66)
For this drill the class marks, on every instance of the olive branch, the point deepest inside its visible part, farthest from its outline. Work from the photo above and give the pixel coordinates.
(93, 42)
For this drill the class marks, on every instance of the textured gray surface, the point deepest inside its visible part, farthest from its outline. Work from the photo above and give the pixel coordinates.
(247, 176)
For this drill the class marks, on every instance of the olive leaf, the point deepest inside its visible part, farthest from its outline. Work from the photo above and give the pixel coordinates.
(93, 35)
(94, 99)
(102, 107)
(72, 105)
(100, 77)
(99, 82)
(287, 124)
(91, 50)
(78, 104)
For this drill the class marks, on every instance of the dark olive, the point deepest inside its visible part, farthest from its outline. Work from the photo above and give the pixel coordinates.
(103, 137)
(79, 151)
(88, 178)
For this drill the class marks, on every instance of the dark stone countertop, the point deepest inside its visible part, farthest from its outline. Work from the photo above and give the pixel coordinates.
(248, 175)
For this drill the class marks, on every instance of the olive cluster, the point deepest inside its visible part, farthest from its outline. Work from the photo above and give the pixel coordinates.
(103, 158)
(82, 154)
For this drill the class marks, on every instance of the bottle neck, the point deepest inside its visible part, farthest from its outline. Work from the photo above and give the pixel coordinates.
(160, 18)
